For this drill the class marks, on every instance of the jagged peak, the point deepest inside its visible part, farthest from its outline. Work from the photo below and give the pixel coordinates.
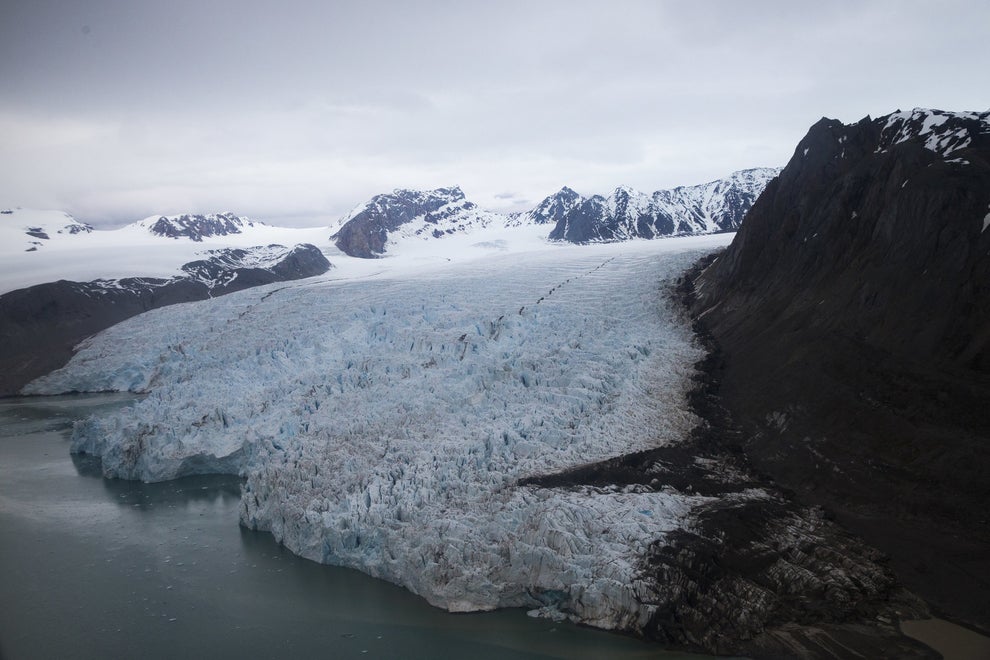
(194, 226)
(454, 193)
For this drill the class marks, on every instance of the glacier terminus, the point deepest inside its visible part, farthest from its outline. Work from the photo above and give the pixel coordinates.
(383, 423)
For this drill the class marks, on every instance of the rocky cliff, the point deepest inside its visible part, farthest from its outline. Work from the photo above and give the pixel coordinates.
(853, 312)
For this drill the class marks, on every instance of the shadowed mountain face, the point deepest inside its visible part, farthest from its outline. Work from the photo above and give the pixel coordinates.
(40, 325)
(853, 311)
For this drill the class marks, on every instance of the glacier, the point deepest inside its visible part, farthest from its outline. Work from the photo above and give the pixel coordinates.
(383, 422)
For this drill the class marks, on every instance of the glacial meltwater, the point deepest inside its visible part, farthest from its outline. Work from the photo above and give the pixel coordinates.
(97, 568)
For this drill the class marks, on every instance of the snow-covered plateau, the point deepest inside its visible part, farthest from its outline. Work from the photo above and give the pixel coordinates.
(383, 421)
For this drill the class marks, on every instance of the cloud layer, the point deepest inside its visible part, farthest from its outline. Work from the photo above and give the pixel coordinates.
(114, 110)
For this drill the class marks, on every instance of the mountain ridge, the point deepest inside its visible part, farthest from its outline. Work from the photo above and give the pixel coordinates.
(715, 206)
(40, 325)
(195, 226)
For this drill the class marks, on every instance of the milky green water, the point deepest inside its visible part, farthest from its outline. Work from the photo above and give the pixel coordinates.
(95, 568)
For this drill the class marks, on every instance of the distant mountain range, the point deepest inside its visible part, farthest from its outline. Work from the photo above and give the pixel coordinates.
(78, 280)
(626, 214)
(404, 215)
(708, 208)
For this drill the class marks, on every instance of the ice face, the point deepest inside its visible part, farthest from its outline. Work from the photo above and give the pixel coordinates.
(383, 424)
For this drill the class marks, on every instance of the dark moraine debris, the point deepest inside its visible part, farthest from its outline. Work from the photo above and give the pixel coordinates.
(41, 325)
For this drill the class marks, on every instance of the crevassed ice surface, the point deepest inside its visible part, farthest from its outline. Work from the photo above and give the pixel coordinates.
(383, 423)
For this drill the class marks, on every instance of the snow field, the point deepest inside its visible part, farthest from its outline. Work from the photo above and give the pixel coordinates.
(383, 423)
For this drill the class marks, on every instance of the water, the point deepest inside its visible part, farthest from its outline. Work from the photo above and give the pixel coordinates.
(95, 568)
(951, 640)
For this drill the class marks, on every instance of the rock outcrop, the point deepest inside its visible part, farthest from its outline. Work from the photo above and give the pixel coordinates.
(429, 213)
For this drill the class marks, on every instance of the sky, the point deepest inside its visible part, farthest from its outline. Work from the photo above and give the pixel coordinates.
(295, 112)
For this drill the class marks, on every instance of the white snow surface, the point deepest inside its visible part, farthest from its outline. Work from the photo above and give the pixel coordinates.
(48, 227)
(383, 420)
(130, 251)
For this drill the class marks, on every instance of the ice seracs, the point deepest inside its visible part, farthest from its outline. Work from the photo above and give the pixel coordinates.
(384, 423)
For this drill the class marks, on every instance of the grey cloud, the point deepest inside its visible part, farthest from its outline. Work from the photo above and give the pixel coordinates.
(302, 109)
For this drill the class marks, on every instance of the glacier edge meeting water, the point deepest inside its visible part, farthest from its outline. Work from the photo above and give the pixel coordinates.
(382, 424)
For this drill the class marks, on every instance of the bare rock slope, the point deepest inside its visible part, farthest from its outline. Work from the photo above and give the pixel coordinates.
(853, 312)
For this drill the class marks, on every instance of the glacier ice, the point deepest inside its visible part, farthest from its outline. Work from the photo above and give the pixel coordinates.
(383, 423)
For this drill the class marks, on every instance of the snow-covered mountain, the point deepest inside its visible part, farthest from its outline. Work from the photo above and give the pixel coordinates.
(195, 227)
(386, 221)
(28, 230)
(41, 324)
(551, 210)
(409, 214)
(708, 208)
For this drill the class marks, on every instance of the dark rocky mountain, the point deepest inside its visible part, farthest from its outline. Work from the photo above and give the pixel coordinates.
(40, 325)
(708, 208)
(852, 310)
(410, 213)
(196, 227)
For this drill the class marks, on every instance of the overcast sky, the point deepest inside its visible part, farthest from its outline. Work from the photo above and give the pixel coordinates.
(294, 112)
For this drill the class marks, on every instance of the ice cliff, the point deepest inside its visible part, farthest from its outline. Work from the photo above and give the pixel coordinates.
(383, 424)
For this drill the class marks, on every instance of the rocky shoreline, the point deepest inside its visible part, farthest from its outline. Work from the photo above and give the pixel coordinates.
(769, 577)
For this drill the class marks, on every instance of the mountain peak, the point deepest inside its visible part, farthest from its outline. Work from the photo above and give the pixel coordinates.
(628, 213)
(195, 227)
(366, 230)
